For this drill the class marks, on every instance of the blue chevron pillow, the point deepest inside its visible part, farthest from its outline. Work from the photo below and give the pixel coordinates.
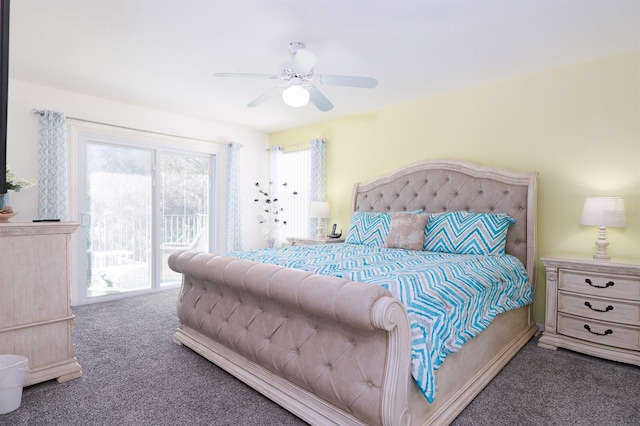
(467, 233)
(368, 228)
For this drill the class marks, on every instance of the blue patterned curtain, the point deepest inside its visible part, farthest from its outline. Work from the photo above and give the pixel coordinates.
(273, 232)
(233, 229)
(318, 177)
(53, 183)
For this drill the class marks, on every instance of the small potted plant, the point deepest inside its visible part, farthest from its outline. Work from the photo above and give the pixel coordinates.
(12, 184)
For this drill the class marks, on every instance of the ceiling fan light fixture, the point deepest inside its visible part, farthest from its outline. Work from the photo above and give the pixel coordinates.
(295, 96)
(299, 81)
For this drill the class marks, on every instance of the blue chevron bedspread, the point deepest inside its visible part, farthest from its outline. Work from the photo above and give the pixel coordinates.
(449, 297)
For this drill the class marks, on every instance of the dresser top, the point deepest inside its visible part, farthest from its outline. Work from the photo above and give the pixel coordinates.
(587, 262)
(12, 229)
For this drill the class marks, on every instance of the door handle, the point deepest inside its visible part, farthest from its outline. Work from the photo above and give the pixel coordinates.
(85, 220)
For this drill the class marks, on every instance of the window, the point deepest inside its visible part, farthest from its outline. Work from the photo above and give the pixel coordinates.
(303, 171)
(294, 169)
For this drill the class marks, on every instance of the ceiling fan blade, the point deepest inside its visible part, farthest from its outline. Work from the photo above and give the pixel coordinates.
(319, 100)
(245, 75)
(266, 95)
(303, 60)
(347, 80)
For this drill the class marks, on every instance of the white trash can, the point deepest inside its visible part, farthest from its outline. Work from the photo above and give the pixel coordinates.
(14, 374)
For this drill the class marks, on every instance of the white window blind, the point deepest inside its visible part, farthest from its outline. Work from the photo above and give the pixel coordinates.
(295, 169)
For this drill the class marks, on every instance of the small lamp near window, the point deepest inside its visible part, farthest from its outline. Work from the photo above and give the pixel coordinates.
(320, 211)
(603, 212)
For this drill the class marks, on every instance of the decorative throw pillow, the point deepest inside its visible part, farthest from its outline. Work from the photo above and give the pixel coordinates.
(467, 233)
(406, 231)
(370, 228)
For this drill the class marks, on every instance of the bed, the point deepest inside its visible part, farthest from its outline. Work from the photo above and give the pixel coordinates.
(333, 350)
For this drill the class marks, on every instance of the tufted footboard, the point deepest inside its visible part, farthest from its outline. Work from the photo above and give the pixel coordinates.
(330, 350)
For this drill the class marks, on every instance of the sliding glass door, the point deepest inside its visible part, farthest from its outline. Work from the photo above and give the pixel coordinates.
(185, 189)
(119, 182)
(138, 205)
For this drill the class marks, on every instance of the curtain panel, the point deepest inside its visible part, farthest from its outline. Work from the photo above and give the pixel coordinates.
(53, 182)
(318, 178)
(233, 228)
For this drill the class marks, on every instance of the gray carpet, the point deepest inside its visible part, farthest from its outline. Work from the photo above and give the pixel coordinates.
(135, 375)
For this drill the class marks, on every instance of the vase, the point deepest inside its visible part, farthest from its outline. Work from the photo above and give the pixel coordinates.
(4, 200)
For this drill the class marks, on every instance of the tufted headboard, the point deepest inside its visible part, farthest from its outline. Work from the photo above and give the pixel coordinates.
(452, 185)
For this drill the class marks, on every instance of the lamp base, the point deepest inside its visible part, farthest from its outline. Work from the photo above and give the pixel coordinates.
(602, 244)
(320, 229)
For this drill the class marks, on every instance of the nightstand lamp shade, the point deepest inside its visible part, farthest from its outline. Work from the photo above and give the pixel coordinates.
(603, 212)
(320, 210)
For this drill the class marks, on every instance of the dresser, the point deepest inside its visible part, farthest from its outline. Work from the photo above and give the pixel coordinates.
(593, 307)
(35, 311)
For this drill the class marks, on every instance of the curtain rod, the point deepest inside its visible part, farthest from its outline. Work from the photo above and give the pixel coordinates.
(295, 147)
(41, 113)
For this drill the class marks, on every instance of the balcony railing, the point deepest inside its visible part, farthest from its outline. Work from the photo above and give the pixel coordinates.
(121, 252)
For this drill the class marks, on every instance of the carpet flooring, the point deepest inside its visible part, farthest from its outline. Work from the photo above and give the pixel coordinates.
(135, 375)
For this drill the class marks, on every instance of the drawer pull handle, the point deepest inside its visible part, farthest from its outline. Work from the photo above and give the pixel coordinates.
(609, 284)
(607, 331)
(607, 309)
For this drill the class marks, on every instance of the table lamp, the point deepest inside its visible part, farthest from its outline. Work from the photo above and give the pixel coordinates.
(603, 212)
(320, 211)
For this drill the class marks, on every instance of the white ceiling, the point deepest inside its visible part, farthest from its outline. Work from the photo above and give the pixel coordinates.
(163, 54)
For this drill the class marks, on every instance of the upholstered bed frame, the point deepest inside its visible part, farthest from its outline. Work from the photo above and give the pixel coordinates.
(333, 351)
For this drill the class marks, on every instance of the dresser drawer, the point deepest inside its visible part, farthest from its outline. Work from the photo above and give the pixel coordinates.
(601, 309)
(598, 284)
(599, 332)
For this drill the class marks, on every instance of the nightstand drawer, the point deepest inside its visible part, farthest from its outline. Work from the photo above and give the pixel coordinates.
(601, 309)
(599, 332)
(606, 285)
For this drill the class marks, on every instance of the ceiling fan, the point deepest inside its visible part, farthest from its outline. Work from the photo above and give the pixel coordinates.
(298, 81)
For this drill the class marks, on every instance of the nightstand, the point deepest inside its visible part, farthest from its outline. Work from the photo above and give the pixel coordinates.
(593, 307)
(298, 241)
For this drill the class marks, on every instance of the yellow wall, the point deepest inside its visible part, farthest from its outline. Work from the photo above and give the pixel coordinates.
(579, 127)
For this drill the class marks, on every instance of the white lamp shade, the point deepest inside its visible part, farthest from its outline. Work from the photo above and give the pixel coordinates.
(295, 96)
(604, 211)
(320, 209)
